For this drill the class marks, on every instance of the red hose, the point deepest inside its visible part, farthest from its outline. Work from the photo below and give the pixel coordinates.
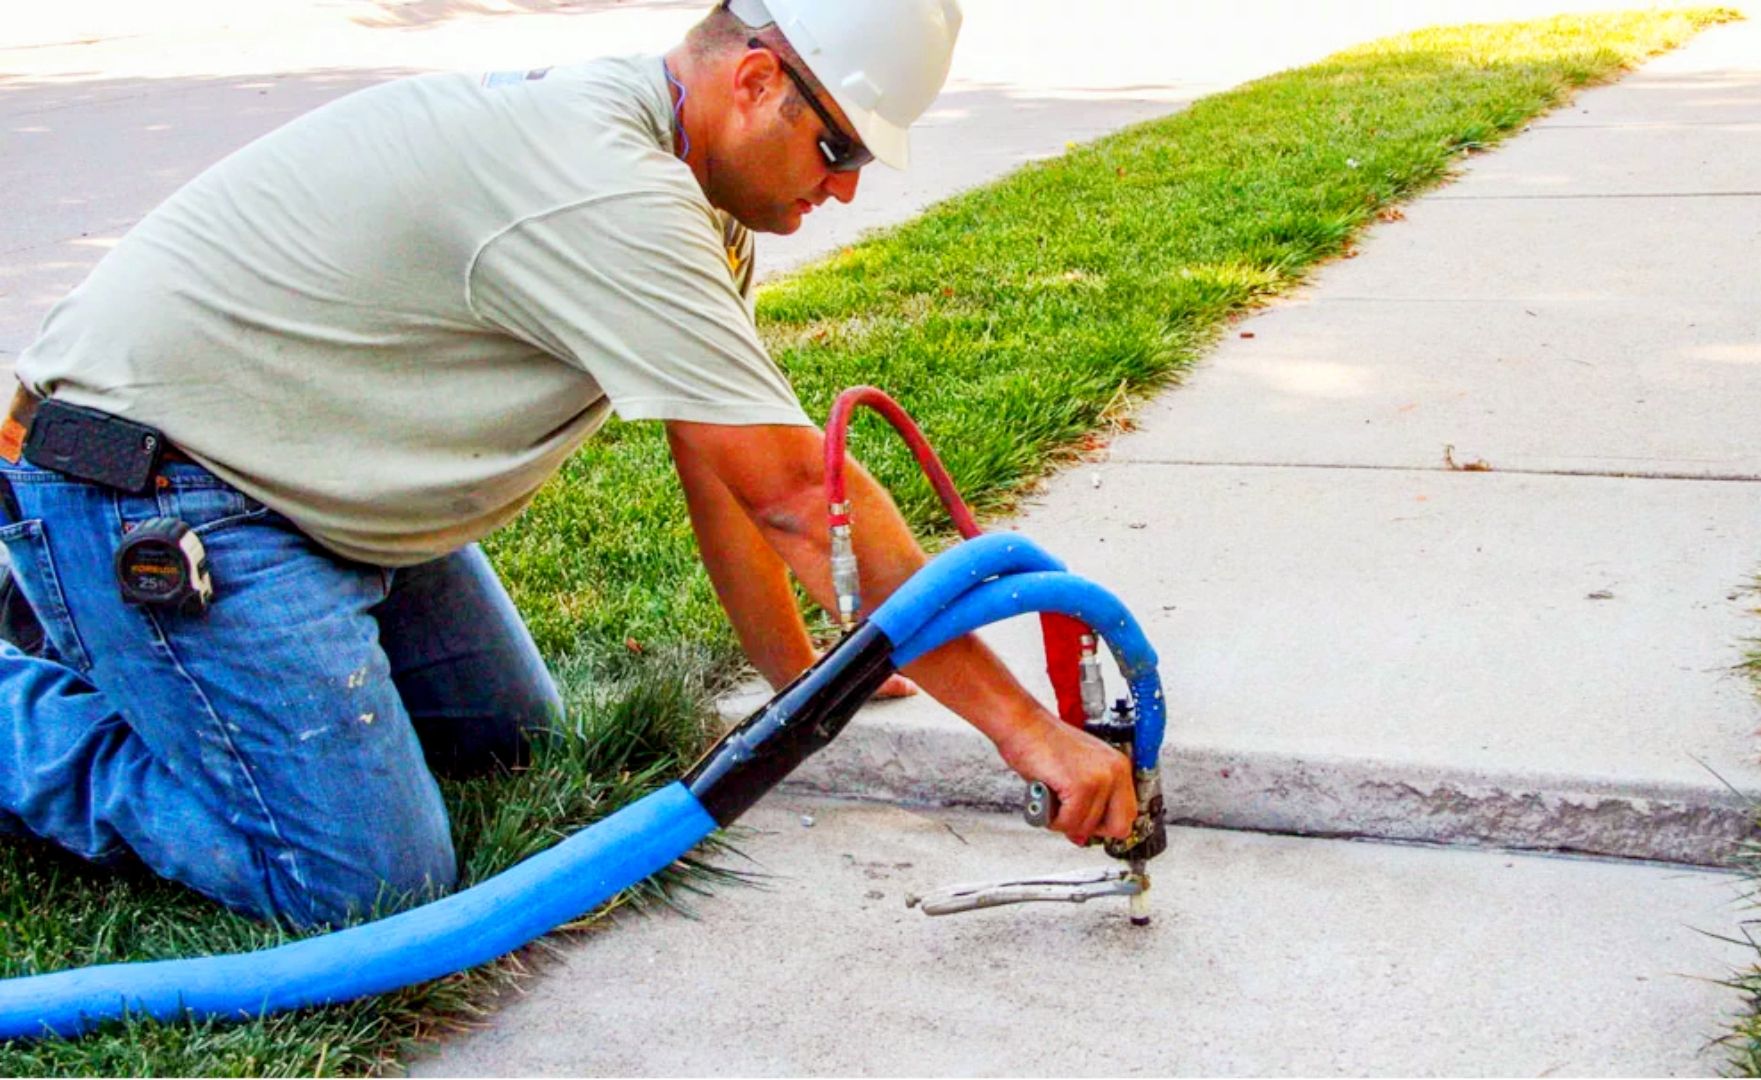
(1063, 638)
(1062, 634)
(837, 430)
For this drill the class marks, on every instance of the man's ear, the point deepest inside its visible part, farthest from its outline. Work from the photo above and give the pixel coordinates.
(755, 77)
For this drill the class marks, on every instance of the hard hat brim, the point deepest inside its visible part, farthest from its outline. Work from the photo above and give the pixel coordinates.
(889, 143)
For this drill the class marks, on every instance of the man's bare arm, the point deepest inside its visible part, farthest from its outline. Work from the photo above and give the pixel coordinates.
(749, 577)
(752, 582)
(775, 475)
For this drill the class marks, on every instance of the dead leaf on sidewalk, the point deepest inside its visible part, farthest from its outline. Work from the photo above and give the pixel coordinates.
(1391, 213)
(1449, 462)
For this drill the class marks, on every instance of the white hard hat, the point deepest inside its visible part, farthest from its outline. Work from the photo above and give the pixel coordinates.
(883, 61)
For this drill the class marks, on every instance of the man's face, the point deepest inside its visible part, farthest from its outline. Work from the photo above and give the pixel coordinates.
(774, 172)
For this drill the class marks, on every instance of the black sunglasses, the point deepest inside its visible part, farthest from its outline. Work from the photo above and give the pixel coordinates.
(843, 153)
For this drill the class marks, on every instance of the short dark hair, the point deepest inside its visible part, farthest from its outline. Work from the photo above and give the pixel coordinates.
(721, 32)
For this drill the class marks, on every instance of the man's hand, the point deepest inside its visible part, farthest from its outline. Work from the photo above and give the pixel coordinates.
(1096, 793)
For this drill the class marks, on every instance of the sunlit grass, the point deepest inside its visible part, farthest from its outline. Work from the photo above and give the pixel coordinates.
(1013, 320)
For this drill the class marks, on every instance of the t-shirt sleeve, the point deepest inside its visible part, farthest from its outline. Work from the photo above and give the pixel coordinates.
(640, 292)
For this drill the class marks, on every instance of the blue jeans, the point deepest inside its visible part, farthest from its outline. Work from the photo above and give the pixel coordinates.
(274, 752)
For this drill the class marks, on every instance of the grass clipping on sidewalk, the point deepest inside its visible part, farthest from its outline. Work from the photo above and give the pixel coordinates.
(1014, 322)
(1743, 1044)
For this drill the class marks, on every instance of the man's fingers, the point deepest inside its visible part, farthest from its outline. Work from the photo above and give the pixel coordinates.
(1074, 818)
(1093, 786)
(1096, 810)
(1081, 816)
(1064, 821)
(1121, 812)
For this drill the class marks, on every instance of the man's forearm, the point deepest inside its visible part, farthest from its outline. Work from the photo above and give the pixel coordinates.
(964, 675)
(750, 579)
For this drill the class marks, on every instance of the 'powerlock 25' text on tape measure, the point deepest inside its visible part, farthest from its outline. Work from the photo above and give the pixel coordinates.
(162, 563)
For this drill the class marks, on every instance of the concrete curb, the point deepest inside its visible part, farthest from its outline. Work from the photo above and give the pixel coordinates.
(930, 763)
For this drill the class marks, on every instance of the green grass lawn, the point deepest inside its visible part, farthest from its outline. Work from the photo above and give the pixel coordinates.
(1013, 322)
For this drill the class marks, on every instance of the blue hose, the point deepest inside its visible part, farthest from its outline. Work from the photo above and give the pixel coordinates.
(952, 574)
(956, 593)
(1067, 594)
(459, 931)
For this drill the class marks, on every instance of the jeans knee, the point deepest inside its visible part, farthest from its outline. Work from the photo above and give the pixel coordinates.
(464, 746)
(542, 713)
(384, 874)
(421, 868)
(534, 708)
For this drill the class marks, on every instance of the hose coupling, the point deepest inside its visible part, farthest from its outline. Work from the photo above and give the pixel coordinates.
(846, 580)
(1094, 690)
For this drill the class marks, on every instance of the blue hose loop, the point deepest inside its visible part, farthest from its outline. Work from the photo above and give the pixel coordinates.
(460, 931)
(1067, 594)
(954, 572)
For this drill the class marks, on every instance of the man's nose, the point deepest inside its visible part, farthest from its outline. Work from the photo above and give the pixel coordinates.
(842, 185)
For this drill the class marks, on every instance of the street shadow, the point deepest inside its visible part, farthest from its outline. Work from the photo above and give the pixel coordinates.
(82, 160)
(69, 200)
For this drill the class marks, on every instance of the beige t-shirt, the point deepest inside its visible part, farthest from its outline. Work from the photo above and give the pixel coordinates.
(394, 318)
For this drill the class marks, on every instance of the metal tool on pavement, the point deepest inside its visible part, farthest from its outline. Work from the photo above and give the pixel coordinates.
(1076, 887)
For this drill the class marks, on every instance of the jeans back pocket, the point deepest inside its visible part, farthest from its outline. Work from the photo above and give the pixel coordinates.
(33, 570)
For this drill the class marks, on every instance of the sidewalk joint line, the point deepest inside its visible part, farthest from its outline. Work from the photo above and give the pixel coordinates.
(1644, 125)
(1435, 300)
(1608, 195)
(1724, 478)
(1489, 847)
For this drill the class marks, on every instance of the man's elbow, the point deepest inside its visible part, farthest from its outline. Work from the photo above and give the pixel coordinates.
(775, 474)
(784, 490)
(795, 512)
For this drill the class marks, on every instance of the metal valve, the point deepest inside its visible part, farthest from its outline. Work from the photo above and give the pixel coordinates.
(846, 578)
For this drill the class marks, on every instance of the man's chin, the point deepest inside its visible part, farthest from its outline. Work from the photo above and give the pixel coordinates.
(781, 221)
(781, 225)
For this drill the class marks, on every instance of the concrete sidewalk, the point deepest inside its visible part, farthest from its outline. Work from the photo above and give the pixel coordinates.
(1265, 956)
(1358, 639)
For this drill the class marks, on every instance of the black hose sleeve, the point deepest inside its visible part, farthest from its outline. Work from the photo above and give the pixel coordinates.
(804, 716)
